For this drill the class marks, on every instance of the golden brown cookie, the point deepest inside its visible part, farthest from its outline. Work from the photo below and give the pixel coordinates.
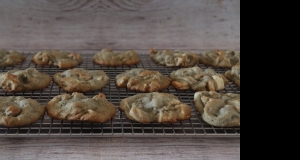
(220, 58)
(142, 80)
(81, 80)
(17, 111)
(24, 80)
(77, 107)
(174, 58)
(234, 74)
(155, 107)
(198, 79)
(218, 109)
(109, 58)
(62, 59)
(10, 58)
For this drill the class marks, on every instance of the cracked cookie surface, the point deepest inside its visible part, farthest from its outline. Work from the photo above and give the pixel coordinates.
(174, 58)
(24, 80)
(143, 80)
(18, 111)
(10, 58)
(218, 109)
(62, 59)
(81, 80)
(198, 79)
(155, 107)
(109, 58)
(77, 107)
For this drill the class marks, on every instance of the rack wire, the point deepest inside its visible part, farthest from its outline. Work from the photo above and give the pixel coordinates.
(120, 125)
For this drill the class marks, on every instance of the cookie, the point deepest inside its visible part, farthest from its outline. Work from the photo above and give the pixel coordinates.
(62, 59)
(81, 80)
(198, 79)
(10, 58)
(218, 109)
(155, 107)
(174, 58)
(234, 74)
(77, 107)
(109, 58)
(142, 80)
(18, 111)
(24, 80)
(220, 58)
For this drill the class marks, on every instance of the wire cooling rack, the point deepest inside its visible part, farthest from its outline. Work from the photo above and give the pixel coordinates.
(120, 125)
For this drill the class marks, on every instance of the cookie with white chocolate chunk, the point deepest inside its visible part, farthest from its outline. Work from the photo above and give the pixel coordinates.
(62, 59)
(218, 109)
(155, 107)
(17, 111)
(10, 58)
(198, 79)
(234, 74)
(81, 80)
(77, 107)
(107, 57)
(24, 80)
(220, 58)
(143, 80)
(174, 58)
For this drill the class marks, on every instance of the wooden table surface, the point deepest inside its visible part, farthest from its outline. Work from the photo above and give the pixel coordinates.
(120, 24)
(120, 148)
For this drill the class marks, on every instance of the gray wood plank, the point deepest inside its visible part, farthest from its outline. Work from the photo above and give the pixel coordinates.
(120, 24)
(121, 148)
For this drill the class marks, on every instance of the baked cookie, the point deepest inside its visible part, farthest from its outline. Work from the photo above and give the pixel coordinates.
(220, 58)
(142, 80)
(81, 80)
(218, 109)
(17, 111)
(62, 59)
(24, 80)
(234, 74)
(155, 107)
(10, 58)
(198, 79)
(174, 58)
(77, 107)
(109, 58)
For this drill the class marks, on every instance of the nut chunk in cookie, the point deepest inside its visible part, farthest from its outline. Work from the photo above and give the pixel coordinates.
(109, 58)
(218, 109)
(62, 59)
(77, 107)
(220, 58)
(174, 58)
(10, 58)
(143, 80)
(24, 80)
(234, 74)
(155, 107)
(81, 80)
(18, 111)
(198, 79)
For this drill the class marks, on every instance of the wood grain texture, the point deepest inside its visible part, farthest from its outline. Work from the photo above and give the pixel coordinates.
(121, 148)
(120, 24)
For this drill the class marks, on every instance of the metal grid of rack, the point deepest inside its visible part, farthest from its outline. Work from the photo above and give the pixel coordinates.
(120, 125)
